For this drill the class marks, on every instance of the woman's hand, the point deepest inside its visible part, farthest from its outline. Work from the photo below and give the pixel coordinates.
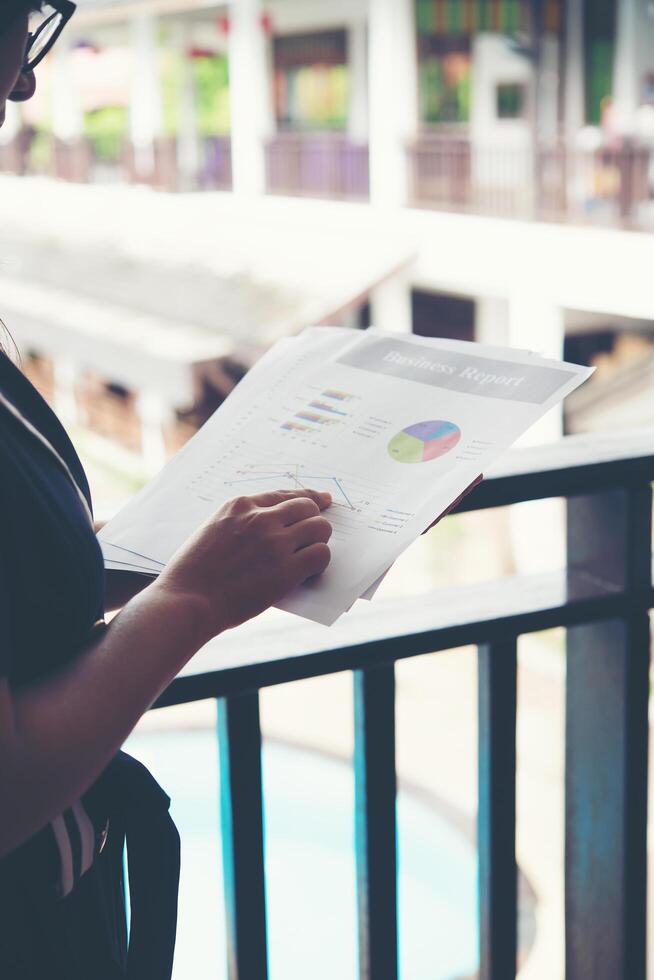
(249, 555)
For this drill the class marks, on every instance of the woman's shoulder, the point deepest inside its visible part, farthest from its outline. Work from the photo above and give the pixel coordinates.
(22, 400)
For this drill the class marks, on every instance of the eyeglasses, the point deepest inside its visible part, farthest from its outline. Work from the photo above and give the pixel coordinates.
(44, 30)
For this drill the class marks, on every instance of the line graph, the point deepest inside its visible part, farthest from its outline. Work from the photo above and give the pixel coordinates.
(300, 480)
(359, 504)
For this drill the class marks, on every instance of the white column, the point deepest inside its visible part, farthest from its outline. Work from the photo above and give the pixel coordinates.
(12, 124)
(65, 402)
(537, 323)
(390, 304)
(146, 113)
(393, 98)
(188, 142)
(250, 97)
(67, 116)
(358, 82)
(574, 111)
(495, 140)
(492, 320)
(634, 57)
(153, 415)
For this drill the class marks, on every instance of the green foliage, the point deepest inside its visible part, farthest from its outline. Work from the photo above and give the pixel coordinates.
(443, 102)
(211, 76)
(105, 129)
(40, 152)
(599, 78)
(211, 85)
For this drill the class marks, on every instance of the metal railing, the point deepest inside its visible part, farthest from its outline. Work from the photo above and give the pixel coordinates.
(317, 165)
(612, 186)
(602, 599)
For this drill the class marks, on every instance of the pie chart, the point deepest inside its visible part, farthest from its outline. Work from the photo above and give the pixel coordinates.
(423, 441)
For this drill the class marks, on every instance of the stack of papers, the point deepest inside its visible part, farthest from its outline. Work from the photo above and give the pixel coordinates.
(395, 427)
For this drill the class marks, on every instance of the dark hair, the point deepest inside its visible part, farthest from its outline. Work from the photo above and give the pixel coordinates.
(18, 8)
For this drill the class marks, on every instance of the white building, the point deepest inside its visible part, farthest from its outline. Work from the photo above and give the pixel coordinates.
(467, 159)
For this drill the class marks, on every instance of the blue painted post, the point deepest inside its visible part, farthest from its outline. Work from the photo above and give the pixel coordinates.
(498, 913)
(376, 831)
(241, 808)
(609, 550)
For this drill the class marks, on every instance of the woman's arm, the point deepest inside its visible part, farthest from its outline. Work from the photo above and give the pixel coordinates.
(57, 736)
(120, 587)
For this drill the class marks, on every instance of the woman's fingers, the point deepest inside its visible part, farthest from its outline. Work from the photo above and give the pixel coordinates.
(277, 498)
(315, 530)
(310, 561)
(290, 512)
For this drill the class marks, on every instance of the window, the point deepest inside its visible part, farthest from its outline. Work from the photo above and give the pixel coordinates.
(311, 80)
(511, 101)
(600, 28)
(443, 315)
(444, 72)
(117, 390)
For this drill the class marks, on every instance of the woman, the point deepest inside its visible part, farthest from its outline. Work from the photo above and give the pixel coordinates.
(72, 689)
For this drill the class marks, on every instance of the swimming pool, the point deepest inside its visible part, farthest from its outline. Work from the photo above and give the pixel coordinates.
(310, 868)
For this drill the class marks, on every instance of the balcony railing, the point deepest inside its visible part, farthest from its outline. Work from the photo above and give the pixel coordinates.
(216, 163)
(115, 159)
(610, 185)
(602, 599)
(317, 165)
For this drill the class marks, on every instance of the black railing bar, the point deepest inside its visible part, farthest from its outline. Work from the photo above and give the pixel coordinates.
(241, 811)
(376, 821)
(551, 471)
(496, 820)
(278, 639)
(496, 491)
(270, 640)
(254, 676)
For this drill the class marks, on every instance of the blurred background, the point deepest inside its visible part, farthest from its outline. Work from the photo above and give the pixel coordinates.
(195, 180)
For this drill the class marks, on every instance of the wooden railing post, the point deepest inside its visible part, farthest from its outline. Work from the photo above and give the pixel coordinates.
(607, 694)
(498, 913)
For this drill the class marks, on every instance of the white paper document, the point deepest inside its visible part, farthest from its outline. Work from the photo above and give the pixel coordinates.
(394, 426)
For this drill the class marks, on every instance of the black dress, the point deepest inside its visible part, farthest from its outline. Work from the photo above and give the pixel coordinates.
(62, 907)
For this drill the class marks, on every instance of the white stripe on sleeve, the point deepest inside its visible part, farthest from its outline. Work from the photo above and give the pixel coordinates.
(87, 835)
(65, 854)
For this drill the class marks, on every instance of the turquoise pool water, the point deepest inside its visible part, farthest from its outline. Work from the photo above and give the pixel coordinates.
(310, 868)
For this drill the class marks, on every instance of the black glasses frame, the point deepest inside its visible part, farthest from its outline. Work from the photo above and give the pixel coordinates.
(62, 8)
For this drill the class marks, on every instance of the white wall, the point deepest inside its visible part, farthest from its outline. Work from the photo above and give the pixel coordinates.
(297, 16)
(501, 148)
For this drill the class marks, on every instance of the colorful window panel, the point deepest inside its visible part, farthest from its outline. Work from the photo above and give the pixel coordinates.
(311, 81)
(600, 18)
(456, 17)
(444, 76)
